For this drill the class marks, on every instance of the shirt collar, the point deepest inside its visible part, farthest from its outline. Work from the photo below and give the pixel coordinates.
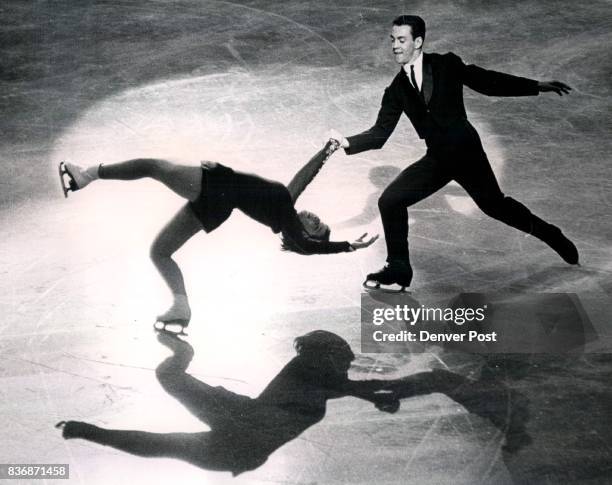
(418, 65)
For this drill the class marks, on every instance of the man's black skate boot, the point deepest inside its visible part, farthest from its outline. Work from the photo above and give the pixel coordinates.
(395, 272)
(553, 236)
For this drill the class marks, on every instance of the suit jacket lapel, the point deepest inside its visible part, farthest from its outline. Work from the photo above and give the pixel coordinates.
(408, 89)
(427, 87)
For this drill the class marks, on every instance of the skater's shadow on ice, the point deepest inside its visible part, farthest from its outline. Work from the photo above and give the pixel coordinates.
(246, 431)
(380, 177)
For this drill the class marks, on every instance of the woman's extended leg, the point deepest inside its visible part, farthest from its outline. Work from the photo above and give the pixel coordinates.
(176, 233)
(184, 446)
(183, 180)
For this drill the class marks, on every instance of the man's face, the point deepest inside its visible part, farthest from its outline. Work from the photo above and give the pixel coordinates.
(405, 48)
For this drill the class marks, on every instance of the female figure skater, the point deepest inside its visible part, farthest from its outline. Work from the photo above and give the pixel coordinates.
(213, 191)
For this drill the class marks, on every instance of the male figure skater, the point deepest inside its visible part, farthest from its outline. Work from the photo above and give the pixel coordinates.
(429, 90)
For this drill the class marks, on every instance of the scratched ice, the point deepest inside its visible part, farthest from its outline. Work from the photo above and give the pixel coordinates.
(256, 87)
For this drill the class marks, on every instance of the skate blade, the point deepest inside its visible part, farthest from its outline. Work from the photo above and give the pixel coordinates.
(67, 185)
(62, 172)
(173, 327)
(376, 286)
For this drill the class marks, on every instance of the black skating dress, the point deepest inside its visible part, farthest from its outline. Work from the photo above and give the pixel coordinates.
(266, 201)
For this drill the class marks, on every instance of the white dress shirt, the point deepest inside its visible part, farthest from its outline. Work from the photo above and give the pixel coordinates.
(418, 70)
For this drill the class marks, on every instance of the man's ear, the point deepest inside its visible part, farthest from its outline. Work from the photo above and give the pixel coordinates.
(418, 42)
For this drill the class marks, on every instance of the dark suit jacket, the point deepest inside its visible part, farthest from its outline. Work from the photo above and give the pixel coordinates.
(438, 113)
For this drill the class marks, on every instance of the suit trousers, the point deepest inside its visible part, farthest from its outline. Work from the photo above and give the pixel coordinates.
(468, 166)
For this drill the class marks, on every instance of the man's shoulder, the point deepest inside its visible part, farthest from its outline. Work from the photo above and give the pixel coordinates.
(434, 58)
(447, 57)
(396, 79)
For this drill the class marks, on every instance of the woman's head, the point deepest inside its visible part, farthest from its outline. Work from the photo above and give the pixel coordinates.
(313, 226)
(309, 226)
(325, 350)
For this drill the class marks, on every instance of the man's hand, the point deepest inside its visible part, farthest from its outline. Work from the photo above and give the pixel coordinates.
(336, 135)
(554, 86)
(359, 243)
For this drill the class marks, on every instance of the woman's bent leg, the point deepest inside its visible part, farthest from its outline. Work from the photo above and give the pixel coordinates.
(176, 233)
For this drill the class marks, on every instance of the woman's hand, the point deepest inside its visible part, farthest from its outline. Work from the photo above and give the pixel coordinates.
(336, 135)
(360, 243)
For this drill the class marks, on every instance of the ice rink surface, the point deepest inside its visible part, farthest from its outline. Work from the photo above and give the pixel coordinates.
(256, 85)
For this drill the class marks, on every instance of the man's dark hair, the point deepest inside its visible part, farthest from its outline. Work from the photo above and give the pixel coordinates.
(417, 25)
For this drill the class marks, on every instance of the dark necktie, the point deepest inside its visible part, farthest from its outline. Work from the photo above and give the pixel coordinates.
(413, 79)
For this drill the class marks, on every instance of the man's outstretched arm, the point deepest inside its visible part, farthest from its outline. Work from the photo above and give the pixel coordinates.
(375, 137)
(493, 83)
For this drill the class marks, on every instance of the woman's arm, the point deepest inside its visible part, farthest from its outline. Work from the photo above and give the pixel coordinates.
(309, 171)
(295, 239)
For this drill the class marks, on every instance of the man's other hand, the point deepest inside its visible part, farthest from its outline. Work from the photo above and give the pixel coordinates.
(554, 86)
